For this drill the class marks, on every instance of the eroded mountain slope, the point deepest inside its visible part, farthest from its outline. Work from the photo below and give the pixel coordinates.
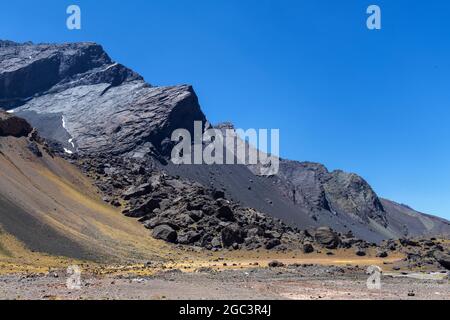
(49, 206)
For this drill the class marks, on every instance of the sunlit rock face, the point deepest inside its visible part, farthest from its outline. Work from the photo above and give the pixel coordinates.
(75, 94)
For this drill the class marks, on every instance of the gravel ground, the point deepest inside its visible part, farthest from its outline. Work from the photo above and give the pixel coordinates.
(293, 282)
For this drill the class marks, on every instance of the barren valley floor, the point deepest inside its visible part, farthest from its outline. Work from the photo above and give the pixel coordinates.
(310, 283)
(221, 277)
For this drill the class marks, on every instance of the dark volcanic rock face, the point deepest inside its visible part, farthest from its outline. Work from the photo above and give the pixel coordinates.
(311, 185)
(305, 184)
(351, 194)
(102, 105)
(27, 70)
(13, 126)
(346, 202)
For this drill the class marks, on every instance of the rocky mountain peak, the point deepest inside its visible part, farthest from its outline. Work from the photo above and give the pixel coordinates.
(28, 70)
(76, 95)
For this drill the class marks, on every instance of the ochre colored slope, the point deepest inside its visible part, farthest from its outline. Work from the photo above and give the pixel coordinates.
(50, 207)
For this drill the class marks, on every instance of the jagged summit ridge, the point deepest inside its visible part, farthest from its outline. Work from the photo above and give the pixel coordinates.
(28, 70)
(76, 94)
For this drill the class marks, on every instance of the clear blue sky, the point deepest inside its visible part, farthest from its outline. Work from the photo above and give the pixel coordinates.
(372, 102)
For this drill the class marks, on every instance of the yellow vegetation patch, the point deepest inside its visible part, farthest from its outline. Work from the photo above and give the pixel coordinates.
(19, 259)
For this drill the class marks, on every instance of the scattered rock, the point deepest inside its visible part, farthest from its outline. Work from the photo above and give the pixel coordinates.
(143, 209)
(391, 245)
(272, 243)
(443, 259)
(165, 232)
(218, 194)
(189, 237)
(33, 147)
(308, 248)
(327, 237)
(225, 213)
(382, 254)
(134, 192)
(360, 252)
(232, 234)
(276, 264)
(408, 242)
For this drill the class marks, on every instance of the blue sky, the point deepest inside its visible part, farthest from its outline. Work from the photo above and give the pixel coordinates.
(371, 102)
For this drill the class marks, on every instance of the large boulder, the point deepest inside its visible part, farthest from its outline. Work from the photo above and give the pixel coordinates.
(137, 191)
(360, 252)
(382, 254)
(165, 232)
(327, 237)
(189, 237)
(272, 243)
(225, 213)
(443, 259)
(275, 264)
(218, 194)
(408, 242)
(308, 248)
(13, 126)
(143, 209)
(232, 234)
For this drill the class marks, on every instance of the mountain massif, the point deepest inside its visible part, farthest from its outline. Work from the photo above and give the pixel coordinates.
(114, 127)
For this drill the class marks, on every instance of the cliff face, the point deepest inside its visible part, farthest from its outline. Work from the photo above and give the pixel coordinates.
(312, 185)
(28, 70)
(76, 95)
(348, 203)
(13, 126)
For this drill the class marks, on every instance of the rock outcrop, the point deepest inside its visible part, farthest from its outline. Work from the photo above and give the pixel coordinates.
(100, 105)
(311, 185)
(443, 259)
(327, 237)
(347, 202)
(13, 126)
